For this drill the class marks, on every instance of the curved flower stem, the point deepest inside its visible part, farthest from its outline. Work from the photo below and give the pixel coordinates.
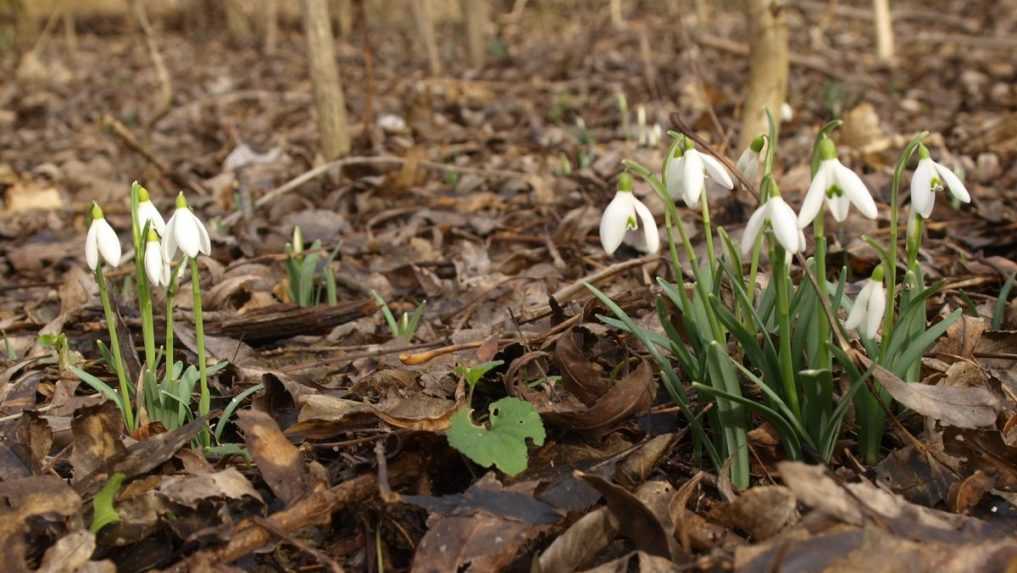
(114, 342)
(708, 228)
(890, 266)
(139, 236)
(205, 398)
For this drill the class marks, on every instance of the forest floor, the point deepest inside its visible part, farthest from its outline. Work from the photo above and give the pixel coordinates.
(481, 193)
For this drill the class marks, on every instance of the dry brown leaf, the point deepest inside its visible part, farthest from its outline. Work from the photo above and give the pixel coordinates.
(69, 553)
(189, 490)
(961, 407)
(762, 511)
(638, 522)
(96, 438)
(280, 463)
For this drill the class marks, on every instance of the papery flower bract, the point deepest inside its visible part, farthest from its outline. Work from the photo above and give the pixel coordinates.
(186, 231)
(782, 219)
(686, 175)
(869, 306)
(156, 269)
(147, 212)
(101, 240)
(930, 177)
(839, 186)
(622, 219)
(750, 159)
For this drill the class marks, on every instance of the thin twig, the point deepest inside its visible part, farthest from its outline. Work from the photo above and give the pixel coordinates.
(125, 135)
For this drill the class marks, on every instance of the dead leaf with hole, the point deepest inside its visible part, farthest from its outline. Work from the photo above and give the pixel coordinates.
(71, 553)
(280, 463)
(34, 505)
(96, 434)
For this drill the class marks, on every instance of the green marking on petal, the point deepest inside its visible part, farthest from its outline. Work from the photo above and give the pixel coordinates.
(834, 191)
(631, 223)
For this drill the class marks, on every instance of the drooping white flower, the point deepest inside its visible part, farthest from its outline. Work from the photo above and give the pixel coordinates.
(147, 213)
(838, 186)
(931, 177)
(782, 219)
(749, 162)
(156, 269)
(686, 175)
(868, 308)
(101, 240)
(626, 217)
(186, 231)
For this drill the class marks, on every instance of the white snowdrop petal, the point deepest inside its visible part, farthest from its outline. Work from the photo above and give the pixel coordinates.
(92, 247)
(752, 229)
(815, 195)
(108, 242)
(953, 183)
(169, 240)
(693, 177)
(923, 199)
(717, 171)
(614, 221)
(147, 212)
(649, 230)
(856, 191)
(839, 207)
(784, 223)
(875, 309)
(858, 309)
(186, 232)
(205, 242)
(153, 263)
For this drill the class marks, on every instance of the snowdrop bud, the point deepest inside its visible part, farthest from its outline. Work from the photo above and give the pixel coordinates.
(930, 177)
(622, 219)
(750, 159)
(838, 186)
(156, 270)
(298, 240)
(186, 231)
(148, 213)
(869, 307)
(781, 218)
(101, 240)
(786, 112)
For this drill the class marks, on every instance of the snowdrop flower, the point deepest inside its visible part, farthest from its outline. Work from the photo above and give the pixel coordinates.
(101, 240)
(750, 160)
(838, 185)
(930, 177)
(686, 175)
(185, 231)
(869, 306)
(156, 269)
(781, 218)
(147, 213)
(622, 220)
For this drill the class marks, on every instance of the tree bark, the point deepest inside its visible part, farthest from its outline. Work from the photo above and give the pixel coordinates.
(343, 17)
(476, 19)
(270, 25)
(425, 27)
(237, 23)
(769, 64)
(328, 92)
(884, 30)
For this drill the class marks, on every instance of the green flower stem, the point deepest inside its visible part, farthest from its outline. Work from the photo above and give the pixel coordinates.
(825, 361)
(205, 398)
(708, 228)
(139, 237)
(783, 286)
(171, 292)
(114, 342)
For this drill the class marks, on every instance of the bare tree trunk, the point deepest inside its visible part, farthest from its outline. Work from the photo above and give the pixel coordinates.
(162, 73)
(328, 92)
(270, 25)
(476, 19)
(884, 30)
(425, 27)
(768, 61)
(702, 11)
(237, 23)
(617, 20)
(343, 17)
